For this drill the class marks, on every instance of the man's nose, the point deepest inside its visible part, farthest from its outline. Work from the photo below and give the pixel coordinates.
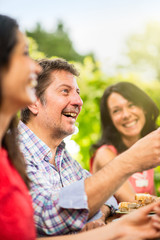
(76, 100)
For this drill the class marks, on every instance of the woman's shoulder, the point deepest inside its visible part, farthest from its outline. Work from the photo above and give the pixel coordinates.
(103, 155)
(105, 147)
(105, 152)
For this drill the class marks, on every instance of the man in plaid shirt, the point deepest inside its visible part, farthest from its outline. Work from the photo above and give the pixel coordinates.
(57, 189)
(65, 196)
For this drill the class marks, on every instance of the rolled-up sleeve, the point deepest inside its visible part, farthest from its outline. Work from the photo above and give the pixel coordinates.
(74, 197)
(112, 202)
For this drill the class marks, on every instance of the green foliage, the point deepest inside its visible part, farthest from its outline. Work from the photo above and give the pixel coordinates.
(157, 180)
(57, 43)
(143, 50)
(33, 49)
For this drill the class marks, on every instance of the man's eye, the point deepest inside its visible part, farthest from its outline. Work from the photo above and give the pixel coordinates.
(65, 90)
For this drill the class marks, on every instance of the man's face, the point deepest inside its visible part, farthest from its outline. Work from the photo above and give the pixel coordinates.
(62, 105)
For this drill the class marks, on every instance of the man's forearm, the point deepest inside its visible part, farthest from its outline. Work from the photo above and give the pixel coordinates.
(100, 186)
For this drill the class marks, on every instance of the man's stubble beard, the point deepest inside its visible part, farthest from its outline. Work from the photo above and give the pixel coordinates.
(60, 133)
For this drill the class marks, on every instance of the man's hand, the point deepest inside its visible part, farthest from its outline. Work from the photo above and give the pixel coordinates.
(94, 224)
(146, 152)
(105, 212)
(99, 222)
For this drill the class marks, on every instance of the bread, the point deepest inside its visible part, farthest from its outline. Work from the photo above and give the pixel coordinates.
(141, 199)
(144, 199)
(127, 206)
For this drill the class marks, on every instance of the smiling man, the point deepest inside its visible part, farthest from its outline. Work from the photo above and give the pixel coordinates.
(64, 195)
(58, 209)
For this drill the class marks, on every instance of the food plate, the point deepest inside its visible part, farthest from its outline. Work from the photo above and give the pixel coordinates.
(117, 211)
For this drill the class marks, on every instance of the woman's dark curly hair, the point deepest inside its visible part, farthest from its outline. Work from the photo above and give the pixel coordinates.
(8, 40)
(132, 93)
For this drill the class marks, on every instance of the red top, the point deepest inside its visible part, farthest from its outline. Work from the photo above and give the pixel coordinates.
(16, 212)
(111, 147)
(142, 182)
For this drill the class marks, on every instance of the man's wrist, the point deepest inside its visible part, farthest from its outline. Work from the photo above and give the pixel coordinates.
(112, 210)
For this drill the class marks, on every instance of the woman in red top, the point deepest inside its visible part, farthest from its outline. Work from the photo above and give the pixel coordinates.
(17, 78)
(127, 114)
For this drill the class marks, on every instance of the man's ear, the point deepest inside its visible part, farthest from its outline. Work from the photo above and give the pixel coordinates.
(34, 107)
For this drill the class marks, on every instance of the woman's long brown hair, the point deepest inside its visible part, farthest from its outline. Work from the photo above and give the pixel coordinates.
(8, 40)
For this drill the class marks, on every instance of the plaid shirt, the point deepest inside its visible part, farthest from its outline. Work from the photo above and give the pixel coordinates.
(58, 194)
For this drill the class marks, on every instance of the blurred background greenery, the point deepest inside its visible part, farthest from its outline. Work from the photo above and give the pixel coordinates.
(141, 66)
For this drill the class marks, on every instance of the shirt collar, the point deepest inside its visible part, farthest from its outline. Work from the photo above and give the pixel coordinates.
(35, 144)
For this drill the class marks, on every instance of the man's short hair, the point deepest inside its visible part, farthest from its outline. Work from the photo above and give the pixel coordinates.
(44, 80)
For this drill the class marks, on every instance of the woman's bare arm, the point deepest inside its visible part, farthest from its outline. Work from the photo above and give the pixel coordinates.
(103, 156)
(136, 225)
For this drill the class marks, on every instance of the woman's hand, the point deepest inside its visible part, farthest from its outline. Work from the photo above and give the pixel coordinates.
(140, 225)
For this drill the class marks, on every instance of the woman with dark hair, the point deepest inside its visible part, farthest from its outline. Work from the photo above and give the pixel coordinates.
(127, 114)
(17, 79)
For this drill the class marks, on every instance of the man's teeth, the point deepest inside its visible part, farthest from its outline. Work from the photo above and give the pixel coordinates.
(130, 124)
(71, 114)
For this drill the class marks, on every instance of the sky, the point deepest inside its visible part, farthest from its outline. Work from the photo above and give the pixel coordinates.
(99, 26)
